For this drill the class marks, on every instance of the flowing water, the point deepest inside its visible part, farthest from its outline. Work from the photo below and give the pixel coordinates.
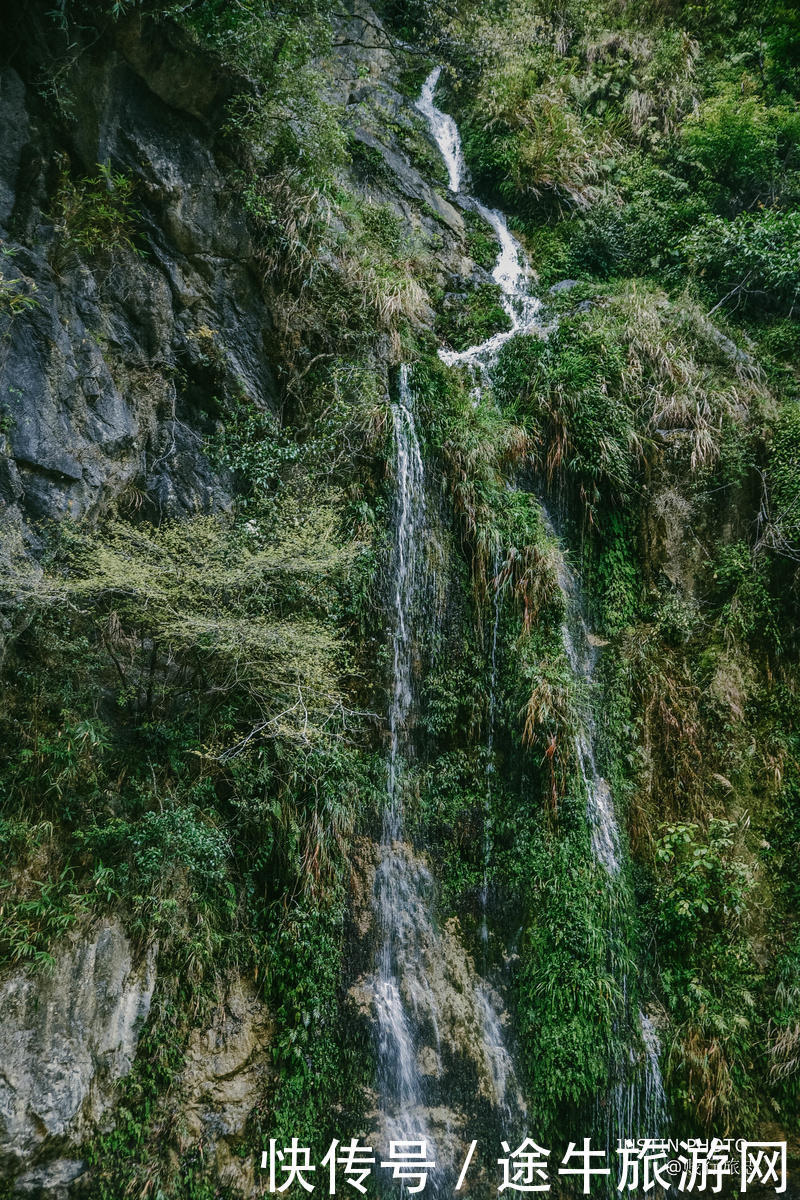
(511, 272)
(408, 576)
(401, 886)
(582, 650)
(637, 1105)
(423, 990)
(445, 131)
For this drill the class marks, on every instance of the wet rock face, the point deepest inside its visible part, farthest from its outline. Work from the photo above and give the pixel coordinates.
(459, 1022)
(52, 1181)
(105, 386)
(15, 123)
(66, 1038)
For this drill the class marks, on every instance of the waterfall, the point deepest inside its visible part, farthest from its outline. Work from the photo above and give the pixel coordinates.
(639, 1096)
(581, 648)
(511, 274)
(403, 888)
(655, 1116)
(445, 131)
(421, 976)
(410, 524)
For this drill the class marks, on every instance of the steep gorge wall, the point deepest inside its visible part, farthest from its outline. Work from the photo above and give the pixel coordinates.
(107, 371)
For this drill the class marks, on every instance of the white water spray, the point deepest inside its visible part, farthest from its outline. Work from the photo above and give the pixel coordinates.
(581, 647)
(403, 888)
(445, 131)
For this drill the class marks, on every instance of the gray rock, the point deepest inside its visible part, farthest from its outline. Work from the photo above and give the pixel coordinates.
(92, 377)
(69, 427)
(180, 480)
(729, 348)
(563, 285)
(411, 183)
(15, 125)
(363, 48)
(66, 1038)
(170, 67)
(226, 1070)
(51, 1181)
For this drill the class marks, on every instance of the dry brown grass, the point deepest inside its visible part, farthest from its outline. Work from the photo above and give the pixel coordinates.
(687, 377)
(530, 575)
(705, 1060)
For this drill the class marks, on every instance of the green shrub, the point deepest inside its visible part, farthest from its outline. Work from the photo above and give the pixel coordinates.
(706, 885)
(473, 318)
(783, 475)
(481, 244)
(743, 591)
(253, 445)
(750, 261)
(570, 1006)
(95, 214)
(742, 153)
(700, 903)
(569, 388)
(636, 227)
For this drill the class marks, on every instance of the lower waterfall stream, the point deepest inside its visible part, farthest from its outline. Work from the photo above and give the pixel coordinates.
(410, 984)
(399, 887)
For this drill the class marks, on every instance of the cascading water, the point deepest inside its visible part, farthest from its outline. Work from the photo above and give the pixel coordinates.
(407, 574)
(411, 990)
(511, 272)
(655, 1114)
(582, 651)
(445, 131)
(401, 884)
(639, 1102)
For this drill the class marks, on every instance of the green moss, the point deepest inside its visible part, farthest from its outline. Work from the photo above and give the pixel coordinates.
(570, 1004)
(784, 465)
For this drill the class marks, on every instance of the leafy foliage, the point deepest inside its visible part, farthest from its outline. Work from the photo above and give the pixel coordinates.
(471, 319)
(96, 213)
(749, 261)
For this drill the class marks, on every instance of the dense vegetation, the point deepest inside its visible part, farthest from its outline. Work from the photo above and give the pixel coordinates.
(196, 709)
(653, 157)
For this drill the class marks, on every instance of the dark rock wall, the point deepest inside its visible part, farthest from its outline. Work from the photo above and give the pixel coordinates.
(100, 374)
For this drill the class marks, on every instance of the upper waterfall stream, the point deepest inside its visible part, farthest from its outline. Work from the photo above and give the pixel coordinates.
(512, 275)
